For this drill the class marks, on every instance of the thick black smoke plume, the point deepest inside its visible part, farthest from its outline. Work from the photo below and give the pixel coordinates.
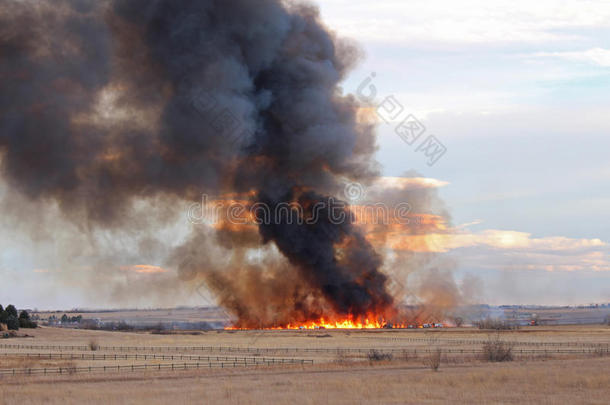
(104, 103)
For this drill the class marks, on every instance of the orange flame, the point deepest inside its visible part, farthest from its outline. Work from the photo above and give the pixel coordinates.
(369, 322)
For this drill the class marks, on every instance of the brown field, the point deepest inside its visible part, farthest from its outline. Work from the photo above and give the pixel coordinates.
(552, 364)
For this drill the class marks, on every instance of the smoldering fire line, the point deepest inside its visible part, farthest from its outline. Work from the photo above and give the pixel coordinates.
(101, 105)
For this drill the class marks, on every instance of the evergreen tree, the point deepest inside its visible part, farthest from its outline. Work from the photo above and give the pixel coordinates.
(12, 322)
(11, 310)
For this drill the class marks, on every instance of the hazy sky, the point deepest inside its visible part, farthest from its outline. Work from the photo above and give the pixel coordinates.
(519, 94)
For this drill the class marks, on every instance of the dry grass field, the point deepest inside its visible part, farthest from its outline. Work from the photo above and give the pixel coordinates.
(558, 364)
(548, 382)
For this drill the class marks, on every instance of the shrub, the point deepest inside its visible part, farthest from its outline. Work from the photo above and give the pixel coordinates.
(375, 355)
(497, 350)
(123, 326)
(434, 359)
(342, 358)
(93, 345)
(25, 321)
(89, 324)
(69, 368)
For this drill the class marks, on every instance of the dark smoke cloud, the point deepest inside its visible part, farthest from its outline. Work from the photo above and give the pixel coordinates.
(105, 103)
(352, 282)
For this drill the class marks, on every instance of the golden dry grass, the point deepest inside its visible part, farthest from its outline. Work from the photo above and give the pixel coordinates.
(325, 338)
(548, 382)
(336, 379)
(21, 362)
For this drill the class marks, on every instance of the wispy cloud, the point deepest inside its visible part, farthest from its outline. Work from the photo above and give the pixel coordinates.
(471, 21)
(508, 249)
(502, 239)
(595, 56)
(409, 183)
(513, 250)
(144, 269)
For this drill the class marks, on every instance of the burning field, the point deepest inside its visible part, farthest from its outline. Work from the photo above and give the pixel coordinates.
(109, 106)
(205, 158)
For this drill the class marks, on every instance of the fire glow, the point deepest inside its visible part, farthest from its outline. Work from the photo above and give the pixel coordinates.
(369, 322)
(257, 118)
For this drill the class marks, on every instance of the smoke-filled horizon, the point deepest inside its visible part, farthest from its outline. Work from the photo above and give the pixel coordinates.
(107, 103)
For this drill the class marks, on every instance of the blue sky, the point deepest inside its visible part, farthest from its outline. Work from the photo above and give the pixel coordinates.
(518, 92)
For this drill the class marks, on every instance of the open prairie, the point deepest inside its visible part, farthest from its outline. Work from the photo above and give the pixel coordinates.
(554, 364)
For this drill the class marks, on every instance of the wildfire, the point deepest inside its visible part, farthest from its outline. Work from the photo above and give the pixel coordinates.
(346, 323)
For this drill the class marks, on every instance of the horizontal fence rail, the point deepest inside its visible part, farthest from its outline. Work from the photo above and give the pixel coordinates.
(93, 356)
(299, 350)
(243, 362)
(257, 350)
(133, 367)
(480, 341)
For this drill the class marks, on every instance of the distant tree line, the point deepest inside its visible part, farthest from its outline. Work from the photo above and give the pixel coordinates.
(65, 319)
(14, 320)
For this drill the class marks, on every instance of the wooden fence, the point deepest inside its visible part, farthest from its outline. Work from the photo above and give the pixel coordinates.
(133, 367)
(295, 350)
(481, 341)
(116, 356)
